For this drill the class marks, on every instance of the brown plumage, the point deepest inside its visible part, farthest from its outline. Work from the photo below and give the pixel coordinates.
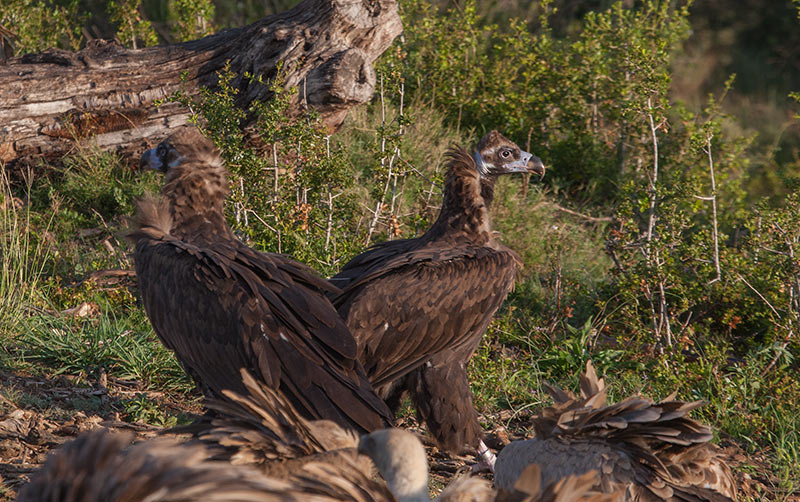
(221, 306)
(262, 429)
(418, 307)
(529, 488)
(651, 451)
(100, 466)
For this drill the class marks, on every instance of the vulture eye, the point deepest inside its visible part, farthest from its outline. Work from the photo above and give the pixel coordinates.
(505, 153)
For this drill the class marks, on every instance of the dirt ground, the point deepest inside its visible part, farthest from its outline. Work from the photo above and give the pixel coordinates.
(38, 415)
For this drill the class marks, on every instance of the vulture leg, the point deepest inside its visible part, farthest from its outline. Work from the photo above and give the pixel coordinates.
(440, 392)
(486, 459)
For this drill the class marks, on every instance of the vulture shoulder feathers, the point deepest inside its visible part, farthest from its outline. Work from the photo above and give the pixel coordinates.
(222, 306)
(650, 451)
(418, 307)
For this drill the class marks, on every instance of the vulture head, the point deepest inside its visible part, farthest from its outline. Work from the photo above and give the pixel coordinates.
(187, 144)
(196, 182)
(401, 460)
(495, 154)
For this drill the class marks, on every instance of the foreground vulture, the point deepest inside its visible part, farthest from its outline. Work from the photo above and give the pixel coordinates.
(262, 429)
(221, 306)
(650, 451)
(400, 458)
(418, 307)
(100, 466)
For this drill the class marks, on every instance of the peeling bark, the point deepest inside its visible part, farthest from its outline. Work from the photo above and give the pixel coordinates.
(106, 93)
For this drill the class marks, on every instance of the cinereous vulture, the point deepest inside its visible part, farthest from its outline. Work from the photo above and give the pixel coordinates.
(401, 461)
(222, 306)
(261, 428)
(649, 451)
(418, 307)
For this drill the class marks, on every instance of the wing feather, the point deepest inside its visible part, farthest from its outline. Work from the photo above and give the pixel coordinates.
(409, 307)
(230, 308)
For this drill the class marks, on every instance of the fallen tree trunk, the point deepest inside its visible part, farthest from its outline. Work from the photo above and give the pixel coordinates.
(106, 93)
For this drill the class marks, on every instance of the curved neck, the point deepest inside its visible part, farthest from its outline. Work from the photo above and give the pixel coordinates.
(196, 198)
(465, 206)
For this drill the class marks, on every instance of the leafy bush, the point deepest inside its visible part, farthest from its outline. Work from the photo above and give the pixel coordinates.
(39, 25)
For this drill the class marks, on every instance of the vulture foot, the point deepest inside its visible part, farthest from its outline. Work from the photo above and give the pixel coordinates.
(486, 459)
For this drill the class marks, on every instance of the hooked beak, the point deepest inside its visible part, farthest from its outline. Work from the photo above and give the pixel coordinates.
(150, 160)
(536, 166)
(518, 166)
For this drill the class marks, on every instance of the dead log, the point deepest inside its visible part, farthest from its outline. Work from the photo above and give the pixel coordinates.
(106, 93)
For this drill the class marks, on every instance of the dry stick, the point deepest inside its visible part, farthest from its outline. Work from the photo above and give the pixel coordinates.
(593, 219)
(774, 311)
(275, 166)
(654, 177)
(663, 321)
(395, 207)
(793, 305)
(709, 136)
(379, 205)
(759, 295)
(330, 198)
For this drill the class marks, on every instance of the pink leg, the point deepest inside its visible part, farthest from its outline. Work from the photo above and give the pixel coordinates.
(486, 459)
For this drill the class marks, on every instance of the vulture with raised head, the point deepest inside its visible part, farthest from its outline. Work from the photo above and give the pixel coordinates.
(222, 306)
(649, 451)
(418, 307)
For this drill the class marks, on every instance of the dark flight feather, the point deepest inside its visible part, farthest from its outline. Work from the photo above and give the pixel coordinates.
(418, 307)
(222, 306)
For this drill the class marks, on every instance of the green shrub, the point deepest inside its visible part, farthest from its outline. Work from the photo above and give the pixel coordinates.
(133, 29)
(39, 25)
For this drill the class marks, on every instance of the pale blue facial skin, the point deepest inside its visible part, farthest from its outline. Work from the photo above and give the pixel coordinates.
(518, 166)
(521, 165)
(150, 160)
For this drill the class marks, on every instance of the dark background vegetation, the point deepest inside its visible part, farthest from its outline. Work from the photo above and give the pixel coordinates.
(634, 256)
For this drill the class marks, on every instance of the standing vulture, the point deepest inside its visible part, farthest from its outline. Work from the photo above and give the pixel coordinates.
(221, 306)
(652, 452)
(418, 307)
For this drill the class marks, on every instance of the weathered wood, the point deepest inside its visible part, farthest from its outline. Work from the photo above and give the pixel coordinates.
(105, 93)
